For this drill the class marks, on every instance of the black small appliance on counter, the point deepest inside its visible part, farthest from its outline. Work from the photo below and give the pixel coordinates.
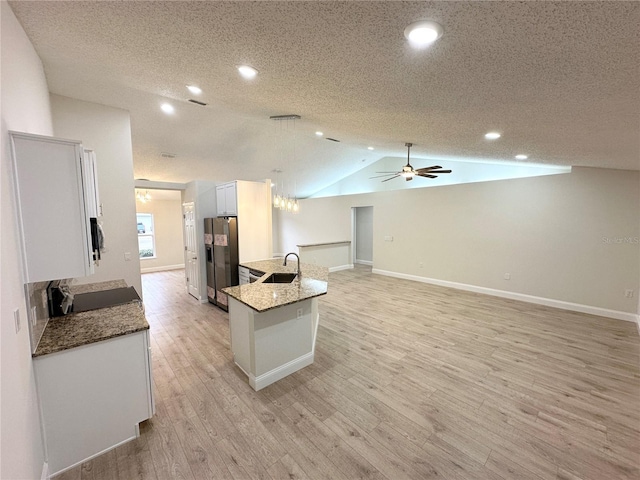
(62, 301)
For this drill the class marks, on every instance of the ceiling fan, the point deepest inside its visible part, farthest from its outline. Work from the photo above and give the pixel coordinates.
(408, 171)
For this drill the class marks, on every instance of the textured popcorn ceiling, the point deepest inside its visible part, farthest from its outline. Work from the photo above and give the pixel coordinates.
(560, 80)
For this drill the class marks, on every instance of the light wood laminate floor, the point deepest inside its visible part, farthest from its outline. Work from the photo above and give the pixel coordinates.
(410, 381)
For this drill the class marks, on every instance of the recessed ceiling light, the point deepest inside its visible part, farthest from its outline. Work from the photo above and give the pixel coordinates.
(247, 72)
(319, 133)
(370, 148)
(195, 90)
(422, 34)
(492, 135)
(167, 108)
(521, 157)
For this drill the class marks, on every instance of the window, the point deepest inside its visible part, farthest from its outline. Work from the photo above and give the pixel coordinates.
(146, 238)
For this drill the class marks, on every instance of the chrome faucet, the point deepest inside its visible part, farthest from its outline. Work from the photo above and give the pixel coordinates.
(285, 261)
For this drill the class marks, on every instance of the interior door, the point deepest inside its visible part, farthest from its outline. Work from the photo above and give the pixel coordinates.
(191, 249)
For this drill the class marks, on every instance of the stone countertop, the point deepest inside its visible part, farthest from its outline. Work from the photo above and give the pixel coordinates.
(97, 287)
(266, 296)
(83, 328)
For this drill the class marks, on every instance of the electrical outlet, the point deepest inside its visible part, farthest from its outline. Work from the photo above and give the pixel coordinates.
(421, 264)
(388, 238)
(628, 293)
(34, 316)
(127, 256)
(300, 313)
(507, 276)
(16, 319)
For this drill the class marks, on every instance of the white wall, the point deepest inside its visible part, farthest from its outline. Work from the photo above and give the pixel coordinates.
(168, 226)
(107, 131)
(555, 235)
(25, 108)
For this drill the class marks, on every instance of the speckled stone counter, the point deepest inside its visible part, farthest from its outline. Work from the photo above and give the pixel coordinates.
(77, 329)
(265, 296)
(97, 287)
(83, 328)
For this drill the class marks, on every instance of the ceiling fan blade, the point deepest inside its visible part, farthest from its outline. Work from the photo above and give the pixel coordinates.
(426, 175)
(391, 178)
(385, 175)
(438, 171)
(426, 169)
(391, 172)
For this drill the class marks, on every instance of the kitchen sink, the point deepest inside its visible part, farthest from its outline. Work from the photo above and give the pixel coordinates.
(280, 278)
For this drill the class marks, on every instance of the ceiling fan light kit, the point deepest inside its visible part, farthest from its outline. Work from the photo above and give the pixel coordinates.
(408, 172)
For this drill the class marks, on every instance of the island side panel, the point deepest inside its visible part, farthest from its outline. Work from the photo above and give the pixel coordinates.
(283, 335)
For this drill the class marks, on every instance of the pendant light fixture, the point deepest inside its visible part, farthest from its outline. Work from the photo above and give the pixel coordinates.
(280, 201)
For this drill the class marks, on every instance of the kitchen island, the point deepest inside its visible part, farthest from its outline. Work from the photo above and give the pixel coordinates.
(93, 372)
(274, 325)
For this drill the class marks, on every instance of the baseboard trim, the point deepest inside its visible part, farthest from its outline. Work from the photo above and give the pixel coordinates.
(282, 371)
(341, 267)
(364, 262)
(162, 269)
(549, 302)
(45, 471)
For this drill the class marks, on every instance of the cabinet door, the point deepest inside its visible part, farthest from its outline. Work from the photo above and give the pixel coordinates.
(93, 396)
(230, 199)
(221, 204)
(55, 231)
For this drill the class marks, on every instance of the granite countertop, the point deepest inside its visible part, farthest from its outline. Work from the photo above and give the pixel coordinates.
(266, 296)
(97, 287)
(83, 328)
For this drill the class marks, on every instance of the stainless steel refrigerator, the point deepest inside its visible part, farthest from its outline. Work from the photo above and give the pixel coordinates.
(221, 243)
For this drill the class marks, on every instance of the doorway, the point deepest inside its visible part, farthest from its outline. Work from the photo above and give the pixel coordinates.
(159, 229)
(362, 245)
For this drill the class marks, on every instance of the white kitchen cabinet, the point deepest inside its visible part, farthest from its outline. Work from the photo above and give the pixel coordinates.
(51, 186)
(226, 199)
(93, 397)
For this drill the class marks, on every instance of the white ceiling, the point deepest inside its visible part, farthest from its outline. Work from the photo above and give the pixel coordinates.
(559, 80)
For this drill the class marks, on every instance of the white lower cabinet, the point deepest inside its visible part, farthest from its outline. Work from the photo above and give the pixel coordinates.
(93, 397)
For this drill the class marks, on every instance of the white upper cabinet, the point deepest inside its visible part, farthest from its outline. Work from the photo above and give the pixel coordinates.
(226, 199)
(52, 209)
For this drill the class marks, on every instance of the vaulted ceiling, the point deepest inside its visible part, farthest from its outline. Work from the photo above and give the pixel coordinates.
(559, 80)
